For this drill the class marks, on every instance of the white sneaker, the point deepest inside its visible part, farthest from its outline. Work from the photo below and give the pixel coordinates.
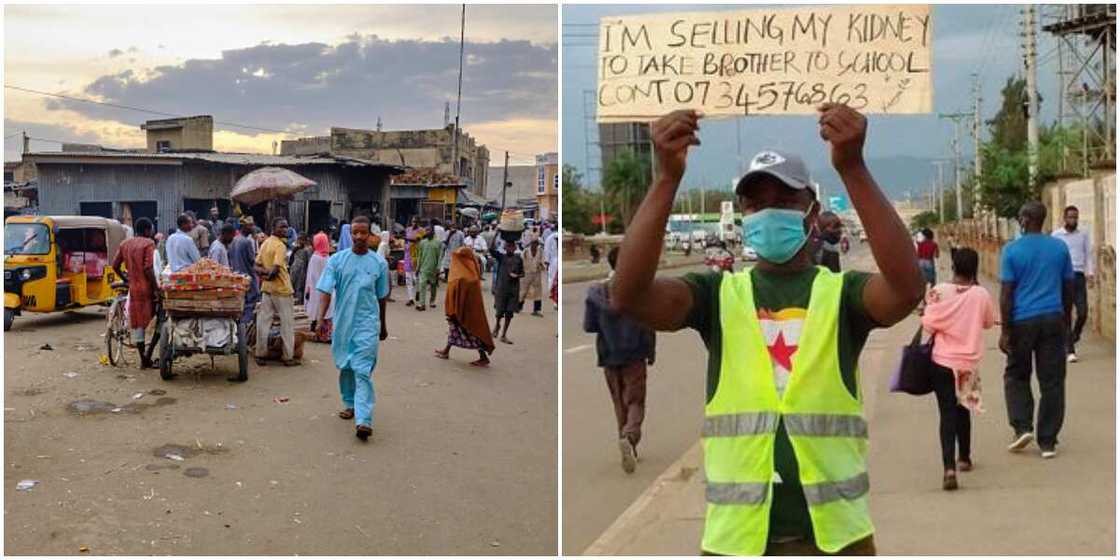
(1021, 442)
(1071, 358)
(1049, 453)
(629, 455)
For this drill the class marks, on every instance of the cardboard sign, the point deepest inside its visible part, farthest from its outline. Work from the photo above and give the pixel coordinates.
(875, 59)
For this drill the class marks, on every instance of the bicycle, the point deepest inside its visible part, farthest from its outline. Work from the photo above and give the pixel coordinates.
(117, 335)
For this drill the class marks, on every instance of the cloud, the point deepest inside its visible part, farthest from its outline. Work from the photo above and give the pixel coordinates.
(405, 82)
(115, 53)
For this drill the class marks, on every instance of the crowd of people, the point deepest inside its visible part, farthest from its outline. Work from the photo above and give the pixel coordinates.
(785, 436)
(345, 286)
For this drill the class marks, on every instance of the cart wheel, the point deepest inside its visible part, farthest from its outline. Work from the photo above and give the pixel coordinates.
(242, 355)
(9, 317)
(165, 352)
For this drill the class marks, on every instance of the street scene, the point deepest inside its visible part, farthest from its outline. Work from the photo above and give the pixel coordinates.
(256, 303)
(878, 280)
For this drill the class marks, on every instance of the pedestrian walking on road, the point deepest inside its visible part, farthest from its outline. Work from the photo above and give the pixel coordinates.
(956, 314)
(535, 267)
(1036, 295)
(1081, 254)
(455, 239)
(412, 238)
(466, 314)
(431, 256)
(321, 327)
(785, 438)
(359, 278)
(276, 296)
(625, 348)
(928, 253)
(507, 288)
(136, 256)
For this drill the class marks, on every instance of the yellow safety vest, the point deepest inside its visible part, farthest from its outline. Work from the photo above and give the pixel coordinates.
(824, 422)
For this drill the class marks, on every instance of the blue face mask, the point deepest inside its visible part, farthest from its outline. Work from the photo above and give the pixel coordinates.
(776, 234)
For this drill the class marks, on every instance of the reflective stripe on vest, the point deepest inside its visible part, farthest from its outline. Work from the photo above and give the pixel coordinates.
(754, 423)
(822, 418)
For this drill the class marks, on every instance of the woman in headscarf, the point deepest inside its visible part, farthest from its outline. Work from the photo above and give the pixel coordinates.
(344, 239)
(301, 254)
(322, 247)
(466, 315)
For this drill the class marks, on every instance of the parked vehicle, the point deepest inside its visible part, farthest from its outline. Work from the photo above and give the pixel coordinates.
(58, 263)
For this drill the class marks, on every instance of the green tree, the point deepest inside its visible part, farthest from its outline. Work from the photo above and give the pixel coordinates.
(924, 220)
(625, 182)
(577, 213)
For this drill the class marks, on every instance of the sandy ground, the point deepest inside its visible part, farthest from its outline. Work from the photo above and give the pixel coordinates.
(462, 461)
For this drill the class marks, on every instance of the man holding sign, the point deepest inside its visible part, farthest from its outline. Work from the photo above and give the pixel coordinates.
(785, 440)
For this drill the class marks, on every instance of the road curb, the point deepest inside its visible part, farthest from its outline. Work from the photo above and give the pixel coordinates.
(587, 276)
(627, 528)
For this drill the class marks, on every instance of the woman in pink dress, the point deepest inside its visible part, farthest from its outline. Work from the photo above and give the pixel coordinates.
(956, 314)
(322, 247)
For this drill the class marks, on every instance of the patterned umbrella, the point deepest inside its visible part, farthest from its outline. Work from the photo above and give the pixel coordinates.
(268, 183)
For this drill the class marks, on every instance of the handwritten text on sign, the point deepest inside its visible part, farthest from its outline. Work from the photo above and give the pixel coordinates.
(874, 58)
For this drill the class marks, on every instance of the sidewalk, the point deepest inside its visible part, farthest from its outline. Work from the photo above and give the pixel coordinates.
(1012, 504)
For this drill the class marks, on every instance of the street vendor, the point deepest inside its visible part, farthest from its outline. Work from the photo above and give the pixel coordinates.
(276, 296)
(136, 255)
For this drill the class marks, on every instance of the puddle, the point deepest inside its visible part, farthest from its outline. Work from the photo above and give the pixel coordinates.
(83, 407)
(197, 472)
(157, 392)
(186, 451)
(155, 467)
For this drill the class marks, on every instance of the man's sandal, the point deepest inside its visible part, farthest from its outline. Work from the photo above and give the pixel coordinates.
(346, 414)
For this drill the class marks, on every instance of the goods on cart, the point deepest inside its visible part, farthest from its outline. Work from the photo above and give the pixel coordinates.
(205, 288)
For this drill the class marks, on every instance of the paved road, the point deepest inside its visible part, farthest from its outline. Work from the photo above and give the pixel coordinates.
(463, 461)
(1012, 504)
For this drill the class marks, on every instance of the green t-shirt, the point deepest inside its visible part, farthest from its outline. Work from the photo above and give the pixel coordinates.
(430, 253)
(781, 301)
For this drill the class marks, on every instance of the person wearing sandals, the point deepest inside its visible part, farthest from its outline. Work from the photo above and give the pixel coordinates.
(956, 314)
(468, 327)
(359, 279)
(276, 294)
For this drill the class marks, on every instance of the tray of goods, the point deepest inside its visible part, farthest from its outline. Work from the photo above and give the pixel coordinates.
(226, 307)
(512, 220)
(206, 274)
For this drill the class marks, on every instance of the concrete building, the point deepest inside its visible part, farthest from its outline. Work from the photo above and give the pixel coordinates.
(193, 134)
(614, 138)
(432, 149)
(523, 184)
(548, 186)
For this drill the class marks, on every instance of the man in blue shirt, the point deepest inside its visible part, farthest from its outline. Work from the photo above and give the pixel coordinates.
(359, 279)
(181, 248)
(1036, 295)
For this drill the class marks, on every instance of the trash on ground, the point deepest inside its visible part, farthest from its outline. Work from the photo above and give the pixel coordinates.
(280, 400)
(83, 548)
(103, 359)
(231, 406)
(46, 347)
(25, 485)
(495, 544)
(70, 374)
(173, 457)
(137, 396)
(118, 409)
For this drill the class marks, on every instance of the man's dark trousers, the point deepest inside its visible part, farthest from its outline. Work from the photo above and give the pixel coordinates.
(1081, 307)
(1041, 340)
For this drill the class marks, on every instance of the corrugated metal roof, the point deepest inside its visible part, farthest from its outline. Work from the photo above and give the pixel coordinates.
(222, 157)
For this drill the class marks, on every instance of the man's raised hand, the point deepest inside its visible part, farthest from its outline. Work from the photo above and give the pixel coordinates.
(672, 135)
(845, 129)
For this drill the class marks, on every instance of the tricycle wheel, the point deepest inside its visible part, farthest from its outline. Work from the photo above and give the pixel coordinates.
(242, 355)
(9, 317)
(165, 352)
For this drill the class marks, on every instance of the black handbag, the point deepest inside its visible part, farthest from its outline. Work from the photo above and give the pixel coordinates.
(915, 369)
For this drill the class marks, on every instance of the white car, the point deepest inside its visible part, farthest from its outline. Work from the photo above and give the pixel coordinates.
(749, 253)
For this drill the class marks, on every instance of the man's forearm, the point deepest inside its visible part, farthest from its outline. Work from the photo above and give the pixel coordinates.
(889, 239)
(324, 305)
(1067, 298)
(1006, 297)
(641, 248)
(384, 319)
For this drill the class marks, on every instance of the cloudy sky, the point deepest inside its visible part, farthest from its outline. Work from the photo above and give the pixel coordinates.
(295, 69)
(982, 38)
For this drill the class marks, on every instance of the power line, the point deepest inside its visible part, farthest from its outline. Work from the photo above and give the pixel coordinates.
(137, 109)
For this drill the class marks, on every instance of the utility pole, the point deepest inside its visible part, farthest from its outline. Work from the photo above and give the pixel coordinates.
(505, 180)
(458, 103)
(941, 189)
(978, 159)
(957, 118)
(1032, 93)
(26, 143)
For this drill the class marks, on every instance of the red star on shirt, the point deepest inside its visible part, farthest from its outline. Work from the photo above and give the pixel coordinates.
(781, 352)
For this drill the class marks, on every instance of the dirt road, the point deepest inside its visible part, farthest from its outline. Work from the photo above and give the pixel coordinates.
(462, 461)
